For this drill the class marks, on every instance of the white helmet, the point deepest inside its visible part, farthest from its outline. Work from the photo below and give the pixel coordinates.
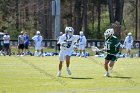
(109, 32)
(69, 30)
(81, 33)
(38, 32)
(129, 34)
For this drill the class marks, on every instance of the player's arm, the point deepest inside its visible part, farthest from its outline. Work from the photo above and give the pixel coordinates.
(118, 46)
(62, 42)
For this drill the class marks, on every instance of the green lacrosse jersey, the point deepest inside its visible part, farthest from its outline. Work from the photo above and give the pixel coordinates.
(112, 45)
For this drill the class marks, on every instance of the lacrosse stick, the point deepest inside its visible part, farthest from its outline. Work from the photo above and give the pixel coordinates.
(96, 49)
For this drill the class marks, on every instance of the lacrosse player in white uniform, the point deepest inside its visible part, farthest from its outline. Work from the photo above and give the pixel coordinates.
(128, 43)
(66, 42)
(38, 43)
(82, 44)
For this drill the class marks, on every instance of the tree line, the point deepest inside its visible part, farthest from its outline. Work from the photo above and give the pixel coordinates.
(91, 16)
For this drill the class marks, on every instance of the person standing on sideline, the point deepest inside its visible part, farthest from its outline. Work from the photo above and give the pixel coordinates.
(128, 43)
(6, 47)
(82, 44)
(26, 43)
(21, 41)
(38, 44)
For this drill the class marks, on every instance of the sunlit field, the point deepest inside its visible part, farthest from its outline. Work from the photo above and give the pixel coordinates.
(30, 74)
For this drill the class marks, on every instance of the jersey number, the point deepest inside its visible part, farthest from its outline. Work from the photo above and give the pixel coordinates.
(69, 44)
(108, 46)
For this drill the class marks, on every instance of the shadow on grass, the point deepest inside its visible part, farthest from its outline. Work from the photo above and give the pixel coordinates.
(78, 77)
(120, 77)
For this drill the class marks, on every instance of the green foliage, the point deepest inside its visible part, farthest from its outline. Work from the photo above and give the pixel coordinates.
(105, 23)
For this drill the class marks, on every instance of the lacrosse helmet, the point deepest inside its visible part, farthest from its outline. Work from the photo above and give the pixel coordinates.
(69, 30)
(108, 33)
(81, 33)
(37, 32)
(129, 34)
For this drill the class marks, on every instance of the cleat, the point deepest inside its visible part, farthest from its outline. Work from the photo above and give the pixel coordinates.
(58, 74)
(106, 75)
(69, 72)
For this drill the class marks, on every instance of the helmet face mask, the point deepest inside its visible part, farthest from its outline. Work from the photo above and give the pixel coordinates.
(108, 33)
(81, 33)
(69, 30)
(38, 33)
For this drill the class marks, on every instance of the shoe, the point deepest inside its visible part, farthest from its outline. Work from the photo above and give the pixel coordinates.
(107, 75)
(69, 72)
(21, 55)
(59, 74)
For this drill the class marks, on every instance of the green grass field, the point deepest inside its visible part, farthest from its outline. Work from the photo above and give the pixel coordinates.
(38, 75)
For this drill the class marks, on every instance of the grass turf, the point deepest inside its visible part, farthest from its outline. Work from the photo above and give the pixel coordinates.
(38, 75)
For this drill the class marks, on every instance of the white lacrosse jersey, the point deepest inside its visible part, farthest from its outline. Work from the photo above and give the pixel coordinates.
(6, 39)
(82, 40)
(37, 39)
(128, 40)
(70, 40)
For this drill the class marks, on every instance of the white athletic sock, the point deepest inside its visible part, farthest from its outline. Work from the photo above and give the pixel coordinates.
(68, 68)
(107, 71)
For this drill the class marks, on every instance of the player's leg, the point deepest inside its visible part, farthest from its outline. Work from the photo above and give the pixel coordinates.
(37, 48)
(128, 48)
(68, 63)
(22, 49)
(111, 64)
(84, 51)
(19, 47)
(61, 58)
(8, 50)
(4, 50)
(60, 68)
(42, 51)
(106, 67)
(80, 53)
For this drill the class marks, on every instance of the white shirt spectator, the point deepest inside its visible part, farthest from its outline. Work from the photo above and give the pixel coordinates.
(6, 39)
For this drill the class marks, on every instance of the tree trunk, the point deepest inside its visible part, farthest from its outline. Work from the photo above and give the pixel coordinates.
(111, 13)
(136, 28)
(17, 15)
(42, 19)
(78, 15)
(119, 11)
(99, 19)
(71, 13)
(85, 18)
(49, 20)
(93, 18)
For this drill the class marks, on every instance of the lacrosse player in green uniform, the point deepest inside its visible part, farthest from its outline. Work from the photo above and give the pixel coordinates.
(113, 49)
